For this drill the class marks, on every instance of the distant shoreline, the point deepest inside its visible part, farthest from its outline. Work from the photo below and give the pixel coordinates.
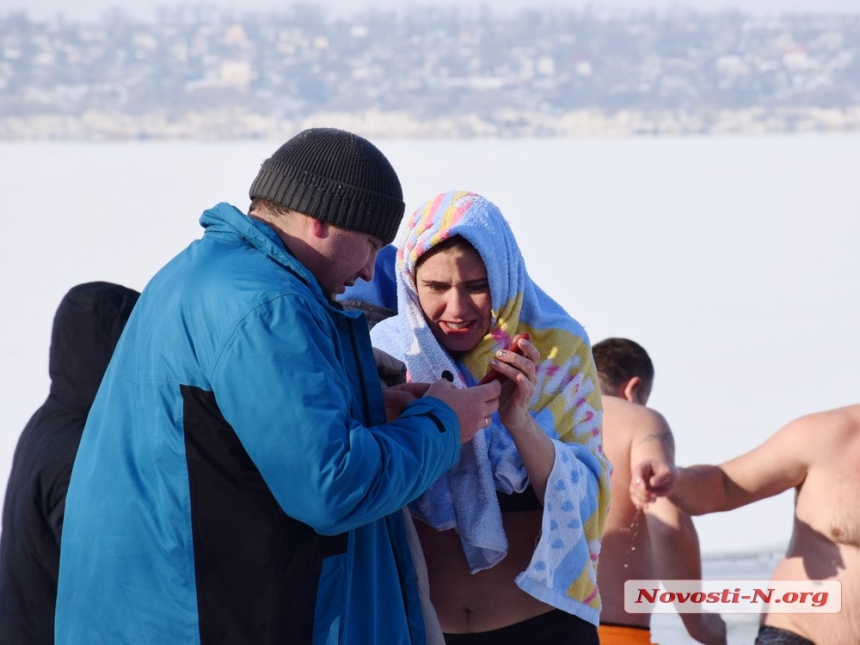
(232, 124)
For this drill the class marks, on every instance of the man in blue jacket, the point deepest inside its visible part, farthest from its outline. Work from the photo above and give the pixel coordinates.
(237, 480)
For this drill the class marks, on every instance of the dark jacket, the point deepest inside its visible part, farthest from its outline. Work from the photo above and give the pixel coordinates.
(87, 326)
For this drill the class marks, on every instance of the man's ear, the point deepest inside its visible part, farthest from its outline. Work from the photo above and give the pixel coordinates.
(318, 228)
(630, 391)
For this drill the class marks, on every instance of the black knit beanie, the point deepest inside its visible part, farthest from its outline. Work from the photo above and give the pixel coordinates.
(336, 177)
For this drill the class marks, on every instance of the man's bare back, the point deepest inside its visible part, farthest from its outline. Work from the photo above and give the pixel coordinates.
(658, 544)
(819, 456)
(637, 545)
(626, 548)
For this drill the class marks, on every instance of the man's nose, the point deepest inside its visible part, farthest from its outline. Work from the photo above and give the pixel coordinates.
(367, 270)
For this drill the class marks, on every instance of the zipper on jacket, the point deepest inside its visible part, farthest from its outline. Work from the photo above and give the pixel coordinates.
(357, 359)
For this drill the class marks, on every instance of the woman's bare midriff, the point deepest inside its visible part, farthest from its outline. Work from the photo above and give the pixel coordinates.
(489, 599)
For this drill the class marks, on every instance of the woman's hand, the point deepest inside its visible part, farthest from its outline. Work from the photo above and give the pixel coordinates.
(518, 388)
(519, 367)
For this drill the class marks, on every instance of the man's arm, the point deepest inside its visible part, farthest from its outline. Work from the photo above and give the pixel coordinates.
(778, 464)
(284, 392)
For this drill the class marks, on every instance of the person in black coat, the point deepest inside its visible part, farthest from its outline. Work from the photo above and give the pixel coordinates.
(87, 326)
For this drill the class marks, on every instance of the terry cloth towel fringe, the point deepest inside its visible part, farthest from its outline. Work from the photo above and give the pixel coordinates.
(566, 404)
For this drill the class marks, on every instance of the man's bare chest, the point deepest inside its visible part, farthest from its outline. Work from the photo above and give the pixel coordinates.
(829, 500)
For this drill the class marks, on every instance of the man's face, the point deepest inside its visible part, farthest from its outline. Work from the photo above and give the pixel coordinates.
(349, 255)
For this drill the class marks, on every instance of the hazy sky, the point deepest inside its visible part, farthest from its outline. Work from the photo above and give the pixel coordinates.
(89, 9)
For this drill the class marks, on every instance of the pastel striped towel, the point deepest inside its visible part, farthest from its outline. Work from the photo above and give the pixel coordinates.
(566, 404)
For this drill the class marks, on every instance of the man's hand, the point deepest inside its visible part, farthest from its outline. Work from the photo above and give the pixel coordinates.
(649, 480)
(397, 397)
(474, 406)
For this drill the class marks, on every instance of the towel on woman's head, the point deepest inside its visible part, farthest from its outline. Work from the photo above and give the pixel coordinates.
(566, 404)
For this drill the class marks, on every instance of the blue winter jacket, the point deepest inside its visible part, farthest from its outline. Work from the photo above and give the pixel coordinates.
(237, 481)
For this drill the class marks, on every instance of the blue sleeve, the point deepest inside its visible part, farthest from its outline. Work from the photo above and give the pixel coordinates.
(281, 387)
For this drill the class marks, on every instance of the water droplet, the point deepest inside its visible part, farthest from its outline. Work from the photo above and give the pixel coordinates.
(633, 529)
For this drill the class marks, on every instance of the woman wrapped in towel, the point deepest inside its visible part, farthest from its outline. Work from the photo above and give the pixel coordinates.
(512, 532)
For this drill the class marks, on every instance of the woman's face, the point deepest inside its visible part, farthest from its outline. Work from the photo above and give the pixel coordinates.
(454, 294)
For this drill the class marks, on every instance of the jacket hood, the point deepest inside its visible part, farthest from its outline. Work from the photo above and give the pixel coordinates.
(87, 326)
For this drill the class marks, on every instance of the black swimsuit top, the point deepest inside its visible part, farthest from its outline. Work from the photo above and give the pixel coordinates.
(525, 501)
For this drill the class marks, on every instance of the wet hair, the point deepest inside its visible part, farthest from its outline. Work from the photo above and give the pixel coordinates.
(453, 242)
(618, 360)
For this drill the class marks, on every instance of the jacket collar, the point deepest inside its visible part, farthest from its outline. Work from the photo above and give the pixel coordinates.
(226, 218)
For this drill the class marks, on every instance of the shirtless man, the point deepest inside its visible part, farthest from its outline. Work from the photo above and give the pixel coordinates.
(660, 543)
(819, 456)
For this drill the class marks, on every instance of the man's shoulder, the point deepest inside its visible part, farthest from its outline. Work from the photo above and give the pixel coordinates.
(831, 429)
(845, 420)
(828, 438)
(624, 417)
(634, 432)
